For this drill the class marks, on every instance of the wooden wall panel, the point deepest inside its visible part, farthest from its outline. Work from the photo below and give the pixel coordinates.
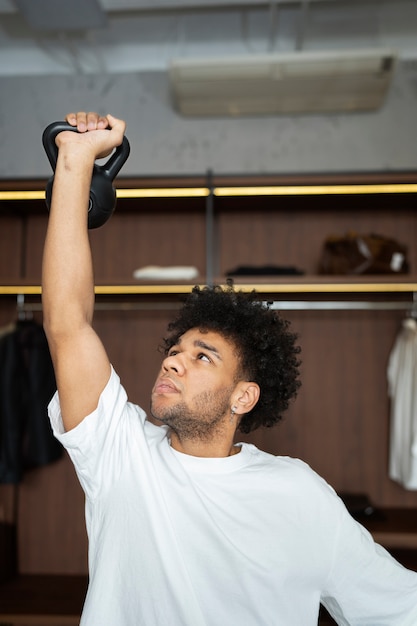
(10, 249)
(8, 308)
(291, 233)
(36, 231)
(339, 423)
(51, 528)
(132, 339)
(159, 237)
(129, 240)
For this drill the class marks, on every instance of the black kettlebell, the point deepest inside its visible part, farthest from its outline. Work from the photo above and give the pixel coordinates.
(102, 193)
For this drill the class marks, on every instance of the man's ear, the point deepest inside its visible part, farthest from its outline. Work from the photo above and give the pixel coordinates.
(246, 395)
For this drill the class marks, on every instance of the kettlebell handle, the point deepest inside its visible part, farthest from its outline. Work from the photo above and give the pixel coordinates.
(111, 168)
(102, 194)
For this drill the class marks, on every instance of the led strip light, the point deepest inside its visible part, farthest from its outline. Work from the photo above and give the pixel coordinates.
(201, 192)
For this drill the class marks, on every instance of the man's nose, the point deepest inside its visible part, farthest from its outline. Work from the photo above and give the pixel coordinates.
(175, 363)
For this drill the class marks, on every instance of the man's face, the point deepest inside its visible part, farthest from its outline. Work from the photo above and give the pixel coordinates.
(192, 393)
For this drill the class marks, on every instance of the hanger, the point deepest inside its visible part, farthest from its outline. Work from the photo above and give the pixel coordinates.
(410, 320)
(24, 313)
(413, 310)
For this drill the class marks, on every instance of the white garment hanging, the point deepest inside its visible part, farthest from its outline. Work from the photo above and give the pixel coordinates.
(402, 389)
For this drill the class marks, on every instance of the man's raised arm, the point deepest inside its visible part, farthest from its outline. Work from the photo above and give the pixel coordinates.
(81, 365)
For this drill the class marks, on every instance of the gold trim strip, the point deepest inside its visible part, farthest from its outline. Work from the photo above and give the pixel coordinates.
(260, 288)
(169, 192)
(202, 192)
(22, 195)
(311, 190)
(16, 290)
(142, 289)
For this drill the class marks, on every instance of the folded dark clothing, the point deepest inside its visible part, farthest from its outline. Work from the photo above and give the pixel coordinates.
(265, 270)
(360, 506)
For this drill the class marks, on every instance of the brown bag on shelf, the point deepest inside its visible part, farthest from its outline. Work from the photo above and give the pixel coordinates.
(363, 254)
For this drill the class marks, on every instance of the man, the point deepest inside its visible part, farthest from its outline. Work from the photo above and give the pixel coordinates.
(185, 527)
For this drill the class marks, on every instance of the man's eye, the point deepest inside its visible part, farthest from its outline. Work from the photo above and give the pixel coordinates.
(172, 352)
(203, 357)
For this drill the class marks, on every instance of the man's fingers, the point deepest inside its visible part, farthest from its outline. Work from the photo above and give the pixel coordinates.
(87, 121)
(118, 126)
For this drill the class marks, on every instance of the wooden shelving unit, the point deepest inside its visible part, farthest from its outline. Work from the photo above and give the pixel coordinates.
(220, 221)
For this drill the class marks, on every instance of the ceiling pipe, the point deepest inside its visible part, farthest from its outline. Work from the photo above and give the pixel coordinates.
(304, 11)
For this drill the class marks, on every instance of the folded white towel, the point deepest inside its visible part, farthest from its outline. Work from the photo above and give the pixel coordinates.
(172, 272)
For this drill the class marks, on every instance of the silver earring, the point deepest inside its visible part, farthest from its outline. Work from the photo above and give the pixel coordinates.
(232, 414)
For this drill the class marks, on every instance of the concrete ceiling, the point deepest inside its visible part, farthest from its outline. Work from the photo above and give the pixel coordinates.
(68, 37)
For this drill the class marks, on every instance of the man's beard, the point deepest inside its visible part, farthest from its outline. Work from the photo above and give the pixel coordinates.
(210, 409)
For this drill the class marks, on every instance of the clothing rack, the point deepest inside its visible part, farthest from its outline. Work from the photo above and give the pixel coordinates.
(357, 296)
(279, 305)
(334, 305)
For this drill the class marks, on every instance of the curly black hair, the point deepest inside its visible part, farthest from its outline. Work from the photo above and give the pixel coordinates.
(266, 347)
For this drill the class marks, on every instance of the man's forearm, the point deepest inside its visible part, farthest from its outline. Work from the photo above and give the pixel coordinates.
(67, 281)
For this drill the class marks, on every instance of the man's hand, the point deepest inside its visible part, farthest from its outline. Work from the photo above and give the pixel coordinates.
(90, 140)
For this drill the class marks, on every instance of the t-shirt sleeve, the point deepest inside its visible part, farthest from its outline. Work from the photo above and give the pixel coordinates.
(366, 584)
(96, 445)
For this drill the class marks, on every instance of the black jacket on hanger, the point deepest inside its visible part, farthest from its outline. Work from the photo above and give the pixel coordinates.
(27, 383)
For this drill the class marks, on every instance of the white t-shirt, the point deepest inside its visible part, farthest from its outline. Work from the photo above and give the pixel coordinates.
(252, 539)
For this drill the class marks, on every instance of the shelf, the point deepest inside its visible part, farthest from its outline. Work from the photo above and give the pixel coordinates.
(395, 528)
(238, 185)
(315, 285)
